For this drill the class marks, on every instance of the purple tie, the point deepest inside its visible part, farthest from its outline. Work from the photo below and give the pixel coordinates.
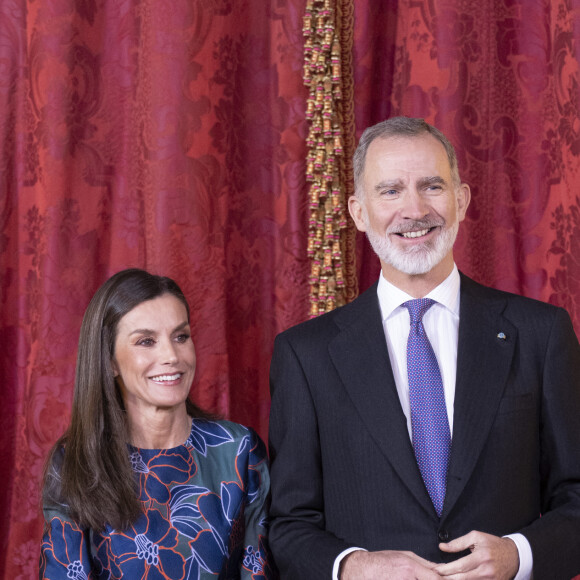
(431, 433)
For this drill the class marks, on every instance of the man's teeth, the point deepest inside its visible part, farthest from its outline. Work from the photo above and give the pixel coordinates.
(415, 234)
(167, 377)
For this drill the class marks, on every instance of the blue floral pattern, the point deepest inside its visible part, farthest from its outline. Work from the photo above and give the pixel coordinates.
(204, 516)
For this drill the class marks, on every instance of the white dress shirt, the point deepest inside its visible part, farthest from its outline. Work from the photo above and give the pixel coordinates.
(441, 323)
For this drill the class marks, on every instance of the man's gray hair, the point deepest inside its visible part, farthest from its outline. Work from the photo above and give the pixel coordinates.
(398, 127)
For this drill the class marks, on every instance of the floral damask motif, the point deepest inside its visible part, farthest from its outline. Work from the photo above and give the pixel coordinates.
(507, 37)
(459, 31)
(70, 106)
(566, 84)
(531, 61)
(247, 131)
(554, 156)
(566, 279)
(227, 54)
(22, 559)
(34, 226)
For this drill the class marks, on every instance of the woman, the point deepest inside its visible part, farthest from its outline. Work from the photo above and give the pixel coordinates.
(143, 484)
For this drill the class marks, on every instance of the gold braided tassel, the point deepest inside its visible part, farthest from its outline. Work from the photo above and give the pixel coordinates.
(325, 161)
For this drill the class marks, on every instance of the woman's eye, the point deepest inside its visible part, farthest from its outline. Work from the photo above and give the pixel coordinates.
(146, 342)
(182, 338)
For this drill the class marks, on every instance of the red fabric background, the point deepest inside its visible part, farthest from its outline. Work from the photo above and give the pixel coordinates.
(158, 134)
(170, 135)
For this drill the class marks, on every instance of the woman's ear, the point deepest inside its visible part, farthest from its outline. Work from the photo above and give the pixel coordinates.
(114, 368)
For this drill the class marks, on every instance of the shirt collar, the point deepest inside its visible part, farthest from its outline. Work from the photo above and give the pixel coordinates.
(446, 294)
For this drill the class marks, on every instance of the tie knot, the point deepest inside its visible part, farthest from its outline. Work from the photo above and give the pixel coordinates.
(417, 308)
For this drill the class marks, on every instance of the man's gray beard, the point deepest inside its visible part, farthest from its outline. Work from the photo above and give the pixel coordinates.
(418, 259)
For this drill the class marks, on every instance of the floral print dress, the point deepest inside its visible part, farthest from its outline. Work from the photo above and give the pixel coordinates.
(205, 509)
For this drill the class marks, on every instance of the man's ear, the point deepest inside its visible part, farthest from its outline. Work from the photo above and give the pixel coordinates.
(356, 210)
(463, 199)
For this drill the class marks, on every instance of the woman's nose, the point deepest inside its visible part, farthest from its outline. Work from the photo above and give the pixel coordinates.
(168, 352)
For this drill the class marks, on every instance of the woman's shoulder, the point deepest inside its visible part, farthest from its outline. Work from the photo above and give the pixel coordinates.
(219, 433)
(222, 429)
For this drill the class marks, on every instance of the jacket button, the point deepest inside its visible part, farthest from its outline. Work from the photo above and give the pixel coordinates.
(443, 535)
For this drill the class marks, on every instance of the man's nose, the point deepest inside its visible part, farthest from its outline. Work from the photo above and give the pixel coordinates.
(414, 205)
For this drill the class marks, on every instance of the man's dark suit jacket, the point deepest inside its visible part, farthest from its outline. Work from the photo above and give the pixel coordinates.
(343, 469)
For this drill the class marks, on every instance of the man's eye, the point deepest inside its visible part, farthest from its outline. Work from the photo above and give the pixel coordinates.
(389, 192)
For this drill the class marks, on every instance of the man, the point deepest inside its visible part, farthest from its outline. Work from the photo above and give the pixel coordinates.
(389, 462)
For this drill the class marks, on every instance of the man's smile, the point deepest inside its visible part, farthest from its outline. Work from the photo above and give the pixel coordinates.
(416, 234)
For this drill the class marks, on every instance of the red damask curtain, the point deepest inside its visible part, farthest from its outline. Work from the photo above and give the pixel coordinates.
(169, 134)
(148, 133)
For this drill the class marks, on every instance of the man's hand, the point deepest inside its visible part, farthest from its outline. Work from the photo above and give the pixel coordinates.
(491, 557)
(386, 565)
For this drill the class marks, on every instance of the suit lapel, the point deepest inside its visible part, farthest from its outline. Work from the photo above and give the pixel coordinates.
(359, 353)
(483, 362)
